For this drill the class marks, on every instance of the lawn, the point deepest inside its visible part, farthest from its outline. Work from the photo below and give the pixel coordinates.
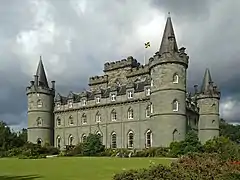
(71, 168)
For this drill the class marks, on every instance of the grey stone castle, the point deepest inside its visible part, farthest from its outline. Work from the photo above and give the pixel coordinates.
(130, 106)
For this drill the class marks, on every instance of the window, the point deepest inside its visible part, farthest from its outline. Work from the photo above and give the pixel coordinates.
(58, 121)
(39, 103)
(84, 102)
(113, 115)
(148, 139)
(70, 140)
(175, 78)
(39, 141)
(130, 139)
(100, 135)
(71, 120)
(130, 113)
(148, 91)
(151, 108)
(84, 138)
(175, 105)
(58, 142)
(113, 140)
(58, 106)
(39, 121)
(148, 111)
(97, 99)
(152, 82)
(98, 117)
(130, 94)
(70, 104)
(175, 132)
(84, 118)
(113, 97)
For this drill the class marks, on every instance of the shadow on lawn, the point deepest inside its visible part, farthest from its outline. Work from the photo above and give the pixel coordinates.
(27, 177)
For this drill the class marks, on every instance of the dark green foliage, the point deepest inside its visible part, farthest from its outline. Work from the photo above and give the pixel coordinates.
(75, 151)
(230, 131)
(93, 145)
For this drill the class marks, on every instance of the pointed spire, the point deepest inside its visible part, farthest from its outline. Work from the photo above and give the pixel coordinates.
(42, 79)
(206, 80)
(168, 43)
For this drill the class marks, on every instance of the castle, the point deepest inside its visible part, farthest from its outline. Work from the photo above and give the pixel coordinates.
(130, 106)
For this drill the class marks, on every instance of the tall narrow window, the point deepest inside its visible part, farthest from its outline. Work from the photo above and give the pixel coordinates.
(148, 110)
(175, 105)
(97, 100)
(39, 103)
(148, 139)
(39, 121)
(175, 132)
(148, 91)
(130, 139)
(113, 140)
(130, 94)
(84, 138)
(58, 121)
(58, 106)
(84, 119)
(113, 115)
(58, 142)
(100, 135)
(70, 140)
(113, 97)
(71, 120)
(98, 117)
(84, 102)
(151, 108)
(130, 113)
(175, 78)
(70, 104)
(152, 82)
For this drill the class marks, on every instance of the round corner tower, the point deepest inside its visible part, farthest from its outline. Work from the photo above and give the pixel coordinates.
(168, 70)
(208, 102)
(40, 108)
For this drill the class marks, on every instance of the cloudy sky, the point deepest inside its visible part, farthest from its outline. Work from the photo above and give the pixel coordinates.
(76, 37)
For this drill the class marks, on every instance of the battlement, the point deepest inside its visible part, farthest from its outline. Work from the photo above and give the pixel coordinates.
(98, 80)
(129, 62)
(140, 70)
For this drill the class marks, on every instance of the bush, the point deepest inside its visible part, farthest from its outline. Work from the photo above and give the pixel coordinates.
(192, 167)
(93, 146)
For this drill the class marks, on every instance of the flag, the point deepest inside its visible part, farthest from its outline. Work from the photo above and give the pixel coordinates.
(147, 44)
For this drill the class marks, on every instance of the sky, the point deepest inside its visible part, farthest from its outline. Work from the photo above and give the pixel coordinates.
(76, 37)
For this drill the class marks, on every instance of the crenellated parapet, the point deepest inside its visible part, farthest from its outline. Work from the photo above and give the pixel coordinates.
(129, 62)
(98, 80)
(138, 71)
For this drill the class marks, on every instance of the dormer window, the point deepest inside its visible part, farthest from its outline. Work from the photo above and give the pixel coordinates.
(175, 79)
(98, 99)
(39, 103)
(70, 104)
(58, 105)
(71, 120)
(130, 94)
(84, 102)
(148, 91)
(113, 97)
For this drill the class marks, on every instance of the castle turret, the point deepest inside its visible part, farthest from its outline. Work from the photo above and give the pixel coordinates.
(168, 92)
(40, 108)
(208, 103)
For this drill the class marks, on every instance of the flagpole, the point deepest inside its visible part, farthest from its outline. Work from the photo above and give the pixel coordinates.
(144, 59)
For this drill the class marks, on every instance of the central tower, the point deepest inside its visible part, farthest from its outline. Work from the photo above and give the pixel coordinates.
(168, 69)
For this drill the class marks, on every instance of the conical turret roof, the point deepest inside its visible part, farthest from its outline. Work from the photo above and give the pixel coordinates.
(42, 78)
(206, 80)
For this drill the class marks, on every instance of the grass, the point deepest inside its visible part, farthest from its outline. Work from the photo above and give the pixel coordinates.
(71, 168)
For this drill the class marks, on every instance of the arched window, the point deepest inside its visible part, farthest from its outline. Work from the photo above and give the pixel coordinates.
(130, 113)
(70, 104)
(39, 121)
(113, 140)
(84, 119)
(151, 108)
(71, 120)
(175, 132)
(58, 142)
(148, 110)
(148, 139)
(84, 138)
(58, 121)
(100, 135)
(98, 117)
(70, 140)
(175, 78)
(175, 105)
(130, 139)
(113, 115)
(39, 103)
(39, 141)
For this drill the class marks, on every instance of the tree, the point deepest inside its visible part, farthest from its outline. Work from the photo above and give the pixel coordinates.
(93, 145)
(230, 131)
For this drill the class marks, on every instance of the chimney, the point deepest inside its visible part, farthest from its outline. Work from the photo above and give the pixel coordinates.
(53, 84)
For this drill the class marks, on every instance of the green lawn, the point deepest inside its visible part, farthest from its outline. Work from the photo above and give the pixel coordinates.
(70, 168)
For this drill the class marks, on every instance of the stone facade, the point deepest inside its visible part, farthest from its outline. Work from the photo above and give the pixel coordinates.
(130, 106)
